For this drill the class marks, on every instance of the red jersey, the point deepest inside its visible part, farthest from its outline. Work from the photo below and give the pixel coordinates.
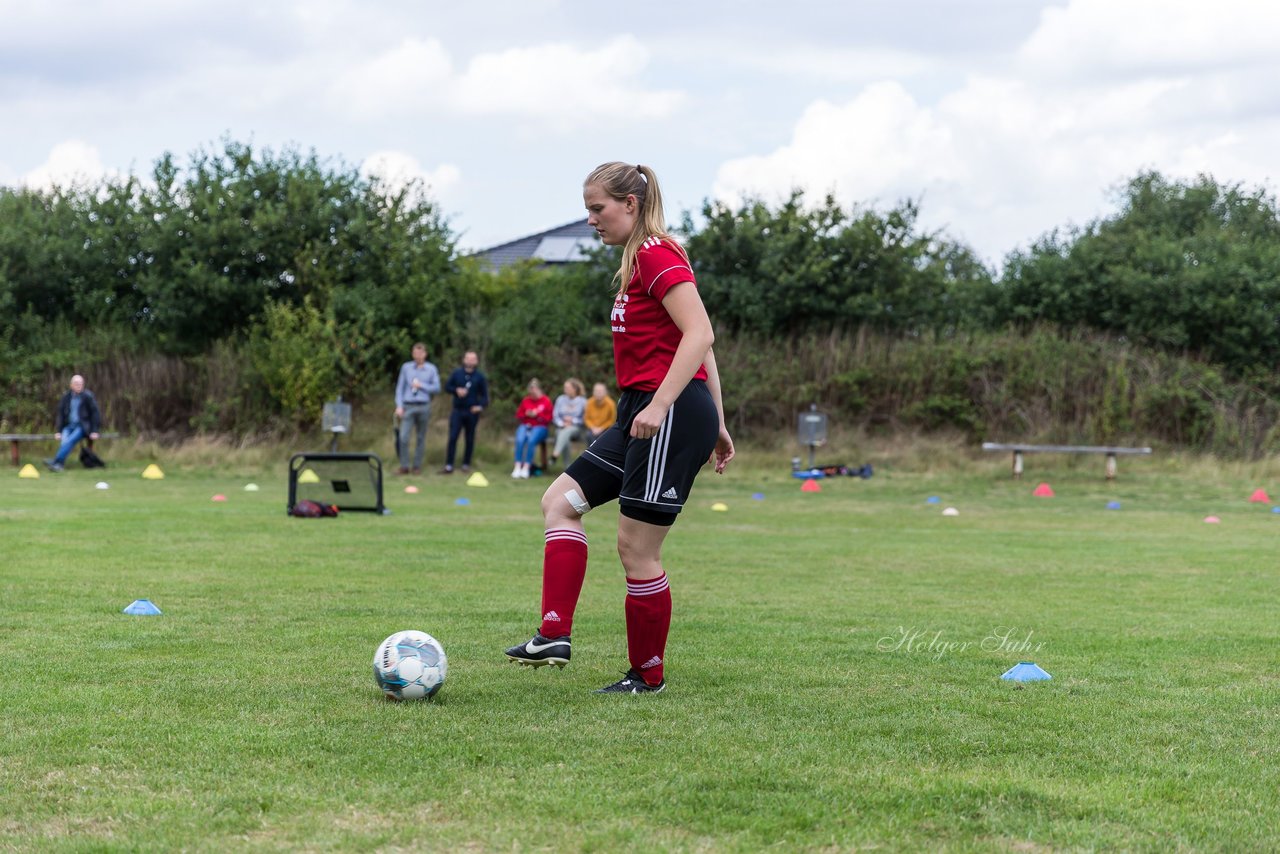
(645, 337)
(534, 411)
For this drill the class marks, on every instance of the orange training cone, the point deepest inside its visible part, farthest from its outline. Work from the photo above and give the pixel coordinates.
(810, 486)
(1043, 491)
(1259, 497)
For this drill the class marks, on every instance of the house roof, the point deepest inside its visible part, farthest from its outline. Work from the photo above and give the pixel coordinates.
(561, 245)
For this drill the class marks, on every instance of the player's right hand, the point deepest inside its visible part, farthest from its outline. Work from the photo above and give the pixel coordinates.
(724, 451)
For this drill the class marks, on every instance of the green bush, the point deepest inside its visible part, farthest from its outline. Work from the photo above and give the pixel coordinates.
(1039, 385)
(295, 352)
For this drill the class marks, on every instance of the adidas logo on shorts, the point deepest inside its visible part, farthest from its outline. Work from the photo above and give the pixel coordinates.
(671, 493)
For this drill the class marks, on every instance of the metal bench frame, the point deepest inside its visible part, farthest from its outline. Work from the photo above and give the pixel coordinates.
(1110, 451)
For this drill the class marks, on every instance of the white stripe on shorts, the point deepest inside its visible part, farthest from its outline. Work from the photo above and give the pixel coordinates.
(658, 459)
(588, 453)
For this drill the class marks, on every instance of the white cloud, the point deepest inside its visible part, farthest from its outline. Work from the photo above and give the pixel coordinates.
(409, 76)
(873, 145)
(561, 82)
(857, 65)
(1105, 37)
(1002, 159)
(69, 163)
(397, 170)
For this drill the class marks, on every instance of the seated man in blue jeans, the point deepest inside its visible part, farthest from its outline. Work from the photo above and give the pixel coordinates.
(78, 419)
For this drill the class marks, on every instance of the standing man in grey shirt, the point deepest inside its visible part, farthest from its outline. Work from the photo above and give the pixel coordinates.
(418, 380)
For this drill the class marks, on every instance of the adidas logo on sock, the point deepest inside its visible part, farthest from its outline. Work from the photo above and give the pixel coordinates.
(551, 617)
(670, 493)
(653, 662)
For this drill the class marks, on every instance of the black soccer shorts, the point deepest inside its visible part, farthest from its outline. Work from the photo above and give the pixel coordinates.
(651, 478)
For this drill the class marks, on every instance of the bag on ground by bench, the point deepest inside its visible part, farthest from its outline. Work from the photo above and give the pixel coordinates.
(90, 460)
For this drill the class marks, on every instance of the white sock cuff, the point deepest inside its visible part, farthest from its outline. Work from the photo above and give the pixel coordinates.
(647, 587)
(568, 535)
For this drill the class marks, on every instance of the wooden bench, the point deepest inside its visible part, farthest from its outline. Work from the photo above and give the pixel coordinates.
(15, 438)
(1019, 450)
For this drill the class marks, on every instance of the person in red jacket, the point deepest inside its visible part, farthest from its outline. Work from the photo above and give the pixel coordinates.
(534, 417)
(670, 424)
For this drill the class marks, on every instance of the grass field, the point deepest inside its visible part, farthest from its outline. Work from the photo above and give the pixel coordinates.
(833, 669)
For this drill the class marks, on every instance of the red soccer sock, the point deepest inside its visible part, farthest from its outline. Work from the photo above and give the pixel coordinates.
(564, 566)
(648, 620)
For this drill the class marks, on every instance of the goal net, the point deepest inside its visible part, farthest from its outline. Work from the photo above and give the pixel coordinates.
(351, 481)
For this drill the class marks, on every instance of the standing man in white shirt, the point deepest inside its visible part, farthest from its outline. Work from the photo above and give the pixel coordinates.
(418, 380)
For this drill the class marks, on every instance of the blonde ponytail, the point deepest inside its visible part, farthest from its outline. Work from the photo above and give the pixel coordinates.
(620, 180)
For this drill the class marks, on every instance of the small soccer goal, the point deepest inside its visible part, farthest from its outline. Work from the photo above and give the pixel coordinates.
(353, 482)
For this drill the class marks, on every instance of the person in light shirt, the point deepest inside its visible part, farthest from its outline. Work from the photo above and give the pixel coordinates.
(417, 382)
(568, 419)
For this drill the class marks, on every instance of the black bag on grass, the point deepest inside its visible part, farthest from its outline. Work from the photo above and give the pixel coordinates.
(306, 509)
(90, 460)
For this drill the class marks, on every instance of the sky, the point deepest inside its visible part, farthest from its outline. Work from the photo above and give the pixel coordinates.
(1004, 119)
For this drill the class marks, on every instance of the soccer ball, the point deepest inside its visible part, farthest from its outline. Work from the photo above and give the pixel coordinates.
(410, 666)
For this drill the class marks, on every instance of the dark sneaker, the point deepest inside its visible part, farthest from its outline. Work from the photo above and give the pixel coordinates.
(447, 470)
(53, 465)
(466, 469)
(632, 683)
(538, 651)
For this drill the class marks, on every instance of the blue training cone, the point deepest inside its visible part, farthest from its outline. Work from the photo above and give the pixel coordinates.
(462, 502)
(933, 499)
(1113, 505)
(142, 608)
(1025, 671)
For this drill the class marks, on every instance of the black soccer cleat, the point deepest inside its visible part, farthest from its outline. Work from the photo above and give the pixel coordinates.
(538, 651)
(632, 683)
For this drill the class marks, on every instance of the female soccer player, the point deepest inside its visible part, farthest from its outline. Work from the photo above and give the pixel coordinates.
(670, 423)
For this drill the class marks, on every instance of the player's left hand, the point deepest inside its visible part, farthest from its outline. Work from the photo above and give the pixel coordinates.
(723, 452)
(646, 424)
(93, 437)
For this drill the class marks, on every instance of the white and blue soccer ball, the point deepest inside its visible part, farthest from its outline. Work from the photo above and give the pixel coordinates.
(410, 666)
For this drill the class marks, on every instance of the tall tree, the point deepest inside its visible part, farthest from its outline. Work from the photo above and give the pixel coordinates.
(1189, 266)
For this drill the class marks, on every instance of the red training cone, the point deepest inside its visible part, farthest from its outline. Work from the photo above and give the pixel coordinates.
(810, 486)
(1043, 491)
(1259, 497)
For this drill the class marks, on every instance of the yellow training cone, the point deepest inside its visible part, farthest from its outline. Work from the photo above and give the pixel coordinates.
(720, 507)
(152, 472)
(308, 476)
(477, 479)
(29, 471)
